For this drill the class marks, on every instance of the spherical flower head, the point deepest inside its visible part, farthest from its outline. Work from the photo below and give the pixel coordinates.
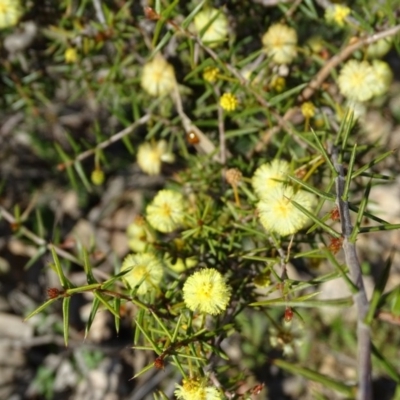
(167, 211)
(10, 13)
(207, 292)
(71, 55)
(228, 102)
(196, 389)
(384, 77)
(280, 43)
(357, 81)
(158, 77)
(217, 30)
(269, 176)
(278, 214)
(151, 155)
(145, 270)
(308, 109)
(210, 74)
(337, 14)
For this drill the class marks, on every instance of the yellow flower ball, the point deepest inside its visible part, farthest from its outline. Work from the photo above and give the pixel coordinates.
(167, 211)
(196, 389)
(217, 30)
(228, 102)
(10, 13)
(280, 43)
(357, 81)
(207, 292)
(145, 272)
(269, 176)
(71, 55)
(158, 77)
(308, 109)
(151, 155)
(278, 214)
(337, 14)
(210, 74)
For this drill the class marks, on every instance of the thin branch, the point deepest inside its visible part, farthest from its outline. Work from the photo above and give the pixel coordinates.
(360, 298)
(114, 138)
(317, 82)
(205, 145)
(343, 55)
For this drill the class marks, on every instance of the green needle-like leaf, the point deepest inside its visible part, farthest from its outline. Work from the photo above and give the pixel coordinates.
(65, 309)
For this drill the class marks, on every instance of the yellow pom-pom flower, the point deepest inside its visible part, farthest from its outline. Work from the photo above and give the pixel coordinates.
(384, 77)
(337, 14)
(167, 211)
(196, 389)
(151, 155)
(207, 292)
(308, 109)
(269, 176)
(158, 77)
(228, 102)
(10, 13)
(280, 43)
(357, 81)
(71, 55)
(145, 272)
(210, 74)
(278, 214)
(217, 30)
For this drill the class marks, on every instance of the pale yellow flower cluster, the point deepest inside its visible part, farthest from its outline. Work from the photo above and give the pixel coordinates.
(144, 272)
(212, 25)
(207, 292)
(196, 389)
(167, 211)
(360, 80)
(10, 13)
(280, 43)
(337, 14)
(150, 156)
(276, 210)
(158, 77)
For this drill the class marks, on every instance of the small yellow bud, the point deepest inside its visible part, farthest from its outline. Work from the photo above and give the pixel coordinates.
(97, 177)
(210, 74)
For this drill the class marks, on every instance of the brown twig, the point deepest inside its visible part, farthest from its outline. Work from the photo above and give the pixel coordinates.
(114, 138)
(343, 55)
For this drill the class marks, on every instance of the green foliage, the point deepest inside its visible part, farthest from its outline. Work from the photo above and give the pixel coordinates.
(94, 59)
